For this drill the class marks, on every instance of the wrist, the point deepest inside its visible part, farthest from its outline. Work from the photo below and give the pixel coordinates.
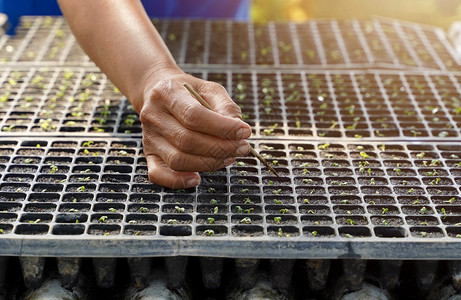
(149, 80)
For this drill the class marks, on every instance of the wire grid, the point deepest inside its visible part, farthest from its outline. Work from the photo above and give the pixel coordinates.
(376, 43)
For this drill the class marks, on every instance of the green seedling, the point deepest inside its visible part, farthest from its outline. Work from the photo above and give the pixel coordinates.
(451, 200)
(433, 173)
(87, 144)
(179, 209)
(277, 192)
(351, 222)
(246, 220)
(248, 210)
(277, 201)
(280, 232)
(247, 200)
(420, 155)
(103, 219)
(209, 232)
(84, 179)
(364, 155)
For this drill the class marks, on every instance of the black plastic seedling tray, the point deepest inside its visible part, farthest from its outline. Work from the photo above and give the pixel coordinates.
(80, 197)
(288, 104)
(63, 100)
(45, 40)
(352, 44)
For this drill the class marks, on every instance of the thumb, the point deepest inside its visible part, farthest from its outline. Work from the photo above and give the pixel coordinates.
(218, 98)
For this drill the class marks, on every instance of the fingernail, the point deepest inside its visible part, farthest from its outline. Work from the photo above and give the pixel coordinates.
(193, 182)
(243, 133)
(243, 149)
(229, 161)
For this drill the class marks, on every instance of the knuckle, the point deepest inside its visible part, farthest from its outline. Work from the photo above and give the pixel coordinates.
(159, 90)
(183, 141)
(232, 108)
(214, 86)
(150, 110)
(176, 161)
(189, 116)
(150, 122)
(228, 106)
(145, 115)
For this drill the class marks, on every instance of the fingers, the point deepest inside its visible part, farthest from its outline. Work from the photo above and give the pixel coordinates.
(197, 143)
(217, 96)
(196, 117)
(184, 162)
(224, 122)
(161, 174)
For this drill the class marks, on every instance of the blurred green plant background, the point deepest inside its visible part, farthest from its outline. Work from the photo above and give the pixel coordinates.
(441, 13)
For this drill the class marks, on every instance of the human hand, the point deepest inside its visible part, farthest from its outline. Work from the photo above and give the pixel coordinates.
(181, 137)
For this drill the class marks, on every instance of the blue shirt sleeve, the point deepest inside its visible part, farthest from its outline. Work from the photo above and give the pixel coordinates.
(215, 9)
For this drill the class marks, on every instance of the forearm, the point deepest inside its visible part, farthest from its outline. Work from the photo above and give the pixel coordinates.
(178, 132)
(120, 38)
